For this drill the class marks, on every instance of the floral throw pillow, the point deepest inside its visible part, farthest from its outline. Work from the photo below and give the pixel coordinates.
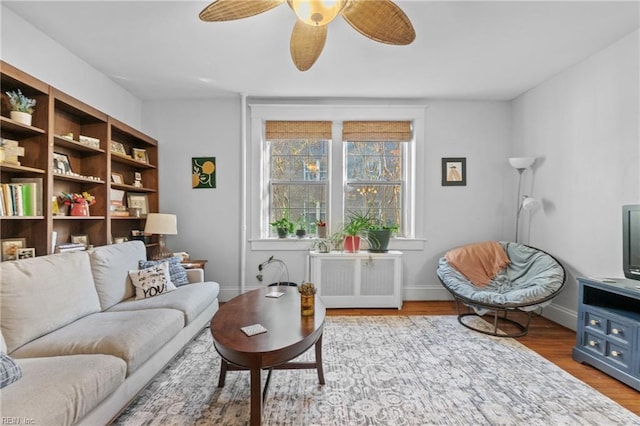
(152, 281)
(176, 270)
(9, 370)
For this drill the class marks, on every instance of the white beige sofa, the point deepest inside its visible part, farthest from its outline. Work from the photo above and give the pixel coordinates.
(85, 346)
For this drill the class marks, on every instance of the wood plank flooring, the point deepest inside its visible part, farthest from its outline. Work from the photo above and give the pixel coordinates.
(552, 341)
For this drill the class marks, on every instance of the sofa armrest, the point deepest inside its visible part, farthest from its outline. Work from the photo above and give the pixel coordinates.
(195, 275)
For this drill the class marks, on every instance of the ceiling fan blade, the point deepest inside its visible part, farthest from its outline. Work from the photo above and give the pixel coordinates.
(380, 20)
(228, 10)
(306, 44)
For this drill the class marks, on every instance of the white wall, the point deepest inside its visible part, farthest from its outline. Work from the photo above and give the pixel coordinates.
(30, 50)
(208, 219)
(583, 125)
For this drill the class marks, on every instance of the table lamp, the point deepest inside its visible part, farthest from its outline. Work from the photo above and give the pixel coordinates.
(161, 224)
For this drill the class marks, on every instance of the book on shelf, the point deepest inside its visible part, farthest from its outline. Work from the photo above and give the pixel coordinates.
(21, 198)
(35, 196)
(62, 248)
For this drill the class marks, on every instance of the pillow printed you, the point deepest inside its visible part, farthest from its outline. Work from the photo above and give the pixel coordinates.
(152, 281)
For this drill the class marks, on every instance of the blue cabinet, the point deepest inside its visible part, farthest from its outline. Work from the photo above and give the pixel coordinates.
(608, 335)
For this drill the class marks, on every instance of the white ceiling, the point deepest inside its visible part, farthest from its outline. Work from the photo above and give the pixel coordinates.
(463, 50)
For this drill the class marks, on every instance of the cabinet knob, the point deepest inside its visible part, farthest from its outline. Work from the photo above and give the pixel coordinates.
(616, 353)
(615, 331)
(593, 343)
(594, 322)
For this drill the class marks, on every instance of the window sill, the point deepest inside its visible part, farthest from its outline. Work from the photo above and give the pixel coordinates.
(296, 244)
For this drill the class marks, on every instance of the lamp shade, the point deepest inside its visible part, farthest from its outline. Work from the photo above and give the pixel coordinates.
(161, 223)
(521, 162)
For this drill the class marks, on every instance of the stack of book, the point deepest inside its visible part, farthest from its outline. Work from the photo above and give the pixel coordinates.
(21, 197)
(61, 248)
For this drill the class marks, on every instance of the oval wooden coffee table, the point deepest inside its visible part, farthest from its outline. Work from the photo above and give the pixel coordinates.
(288, 335)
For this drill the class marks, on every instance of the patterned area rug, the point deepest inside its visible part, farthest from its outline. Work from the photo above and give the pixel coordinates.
(414, 370)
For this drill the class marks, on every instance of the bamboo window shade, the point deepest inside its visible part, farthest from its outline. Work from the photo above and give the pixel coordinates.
(279, 130)
(388, 131)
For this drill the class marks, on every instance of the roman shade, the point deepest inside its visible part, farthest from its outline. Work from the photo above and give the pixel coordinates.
(279, 130)
(387, 131)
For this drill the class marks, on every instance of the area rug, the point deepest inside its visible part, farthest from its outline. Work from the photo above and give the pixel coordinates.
(408, 370)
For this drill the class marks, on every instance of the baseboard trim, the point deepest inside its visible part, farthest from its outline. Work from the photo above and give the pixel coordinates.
(561, 315)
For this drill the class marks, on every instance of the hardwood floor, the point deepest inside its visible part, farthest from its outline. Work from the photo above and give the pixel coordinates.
(552, 341)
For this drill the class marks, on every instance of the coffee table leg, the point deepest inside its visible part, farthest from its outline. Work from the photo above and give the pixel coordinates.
(256, 395)
(224, 366)
(319, 360)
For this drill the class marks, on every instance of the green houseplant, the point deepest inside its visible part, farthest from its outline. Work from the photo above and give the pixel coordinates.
(283, 226)
(22, 107)
(356, 227)
(378, 236)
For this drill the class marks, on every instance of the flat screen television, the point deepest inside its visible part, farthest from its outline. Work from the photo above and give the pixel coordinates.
(631, 241)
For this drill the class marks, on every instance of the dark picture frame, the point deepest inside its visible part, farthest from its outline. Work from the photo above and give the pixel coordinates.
(454, 171)
(61, 163)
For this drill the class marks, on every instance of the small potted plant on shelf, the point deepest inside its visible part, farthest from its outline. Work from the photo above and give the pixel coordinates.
(378, 235)
(322, 228)
(357, 226)
(283, 226)
(22, 107)
(301, 230)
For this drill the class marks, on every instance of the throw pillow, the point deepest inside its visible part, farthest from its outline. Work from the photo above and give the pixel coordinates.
(176, 270)
(152, 281)
(9, 370)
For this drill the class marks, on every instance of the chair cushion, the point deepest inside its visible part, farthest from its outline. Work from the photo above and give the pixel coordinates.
(531, 277)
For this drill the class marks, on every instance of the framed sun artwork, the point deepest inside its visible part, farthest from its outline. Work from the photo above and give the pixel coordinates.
(203, 172)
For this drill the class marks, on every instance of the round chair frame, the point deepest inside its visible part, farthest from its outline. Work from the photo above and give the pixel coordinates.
(504, 309)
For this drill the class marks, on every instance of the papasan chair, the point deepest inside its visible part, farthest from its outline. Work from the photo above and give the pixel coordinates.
(500, 277)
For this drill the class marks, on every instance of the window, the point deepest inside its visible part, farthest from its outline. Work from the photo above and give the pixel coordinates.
(298, 162)
(375, 169)
(309, 162)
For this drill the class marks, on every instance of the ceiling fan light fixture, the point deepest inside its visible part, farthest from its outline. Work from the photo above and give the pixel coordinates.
(316, 12)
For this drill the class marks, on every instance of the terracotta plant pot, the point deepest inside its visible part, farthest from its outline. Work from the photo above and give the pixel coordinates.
(352, 244)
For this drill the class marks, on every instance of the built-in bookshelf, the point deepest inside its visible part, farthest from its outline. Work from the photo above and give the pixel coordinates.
(70, 147)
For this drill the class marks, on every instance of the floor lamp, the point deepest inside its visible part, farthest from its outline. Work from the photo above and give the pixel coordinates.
(524, 201)
(161, 224)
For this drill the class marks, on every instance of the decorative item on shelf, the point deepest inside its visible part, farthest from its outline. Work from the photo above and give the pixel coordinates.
(26, 253)
(322, 228)
(307, 298)
(524, 202)
(140, 155)
(11, 150)
(89, 141)
(140, 201)
(322, 245)
(117, 148)
(161, 224)
(137, 182)
(80, 239)
(79, 202)
(117, 178)
(116, 206)
(283, 226)
(301, 230)
(10, 247)
(203, 172)
(140, 236)
(21, 107)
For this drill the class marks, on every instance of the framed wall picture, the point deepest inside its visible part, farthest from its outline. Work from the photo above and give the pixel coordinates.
(454, 171)
(203, 172)
(117, 178)
(26, 253)
(137, 200)
(80, 239)
(10, 247)
(61, 163)
(140, 155)
(117, 148)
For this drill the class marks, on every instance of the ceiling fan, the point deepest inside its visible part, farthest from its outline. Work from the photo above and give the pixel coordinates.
(379, 20)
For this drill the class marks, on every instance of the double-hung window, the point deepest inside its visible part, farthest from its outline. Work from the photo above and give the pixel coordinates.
(298, 154)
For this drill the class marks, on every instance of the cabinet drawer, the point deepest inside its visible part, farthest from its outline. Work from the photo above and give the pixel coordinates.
(595, 322)
(619, 355)
(594, 343)
(620, 331)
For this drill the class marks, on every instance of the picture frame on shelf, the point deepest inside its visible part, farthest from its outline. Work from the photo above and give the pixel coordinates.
(80, 239)
(10, 247)
(117, 178)
(26, 253)
(117, 148)
(138, 200)
(61, 163)
(454, 171)
(137, 179)
(140, 155)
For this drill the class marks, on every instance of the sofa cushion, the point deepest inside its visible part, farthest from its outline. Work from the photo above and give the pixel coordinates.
(152, 281)
(9, 371)
(176, 270)
(61, 390)
(110, 266)
(133, 336)
(190, 299)
(42, 294)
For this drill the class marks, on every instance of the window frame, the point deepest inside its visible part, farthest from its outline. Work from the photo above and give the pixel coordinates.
(257, 173)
